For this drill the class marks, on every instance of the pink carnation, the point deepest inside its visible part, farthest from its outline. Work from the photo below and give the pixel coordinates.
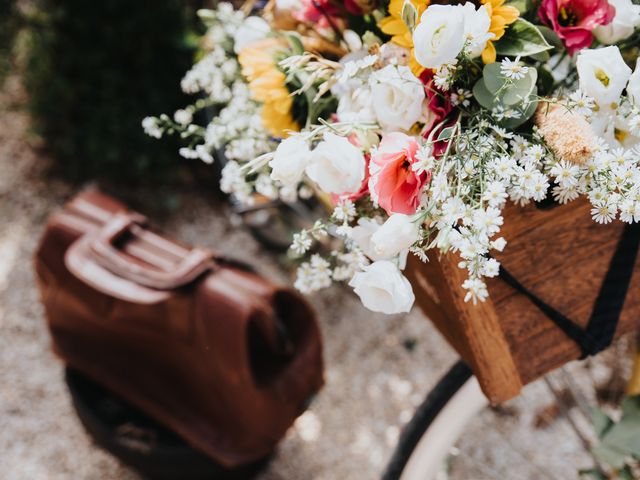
(574, 20)
(393, 183)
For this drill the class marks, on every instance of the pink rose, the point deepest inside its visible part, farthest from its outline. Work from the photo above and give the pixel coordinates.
(574, 20)
(393, 183)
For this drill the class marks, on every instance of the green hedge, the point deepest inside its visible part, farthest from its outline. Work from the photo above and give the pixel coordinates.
(95, 70)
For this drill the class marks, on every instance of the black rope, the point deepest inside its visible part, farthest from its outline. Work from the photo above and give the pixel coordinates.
(608, 306)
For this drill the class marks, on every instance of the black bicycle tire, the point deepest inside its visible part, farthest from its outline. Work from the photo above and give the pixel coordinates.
(425, 414)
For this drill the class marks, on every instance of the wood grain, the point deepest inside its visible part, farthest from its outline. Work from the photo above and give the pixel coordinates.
(562, 256)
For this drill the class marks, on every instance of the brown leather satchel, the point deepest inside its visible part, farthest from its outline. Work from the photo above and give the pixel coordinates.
(204, 345)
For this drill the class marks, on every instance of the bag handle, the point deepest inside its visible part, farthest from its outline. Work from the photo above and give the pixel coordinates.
(196, 262)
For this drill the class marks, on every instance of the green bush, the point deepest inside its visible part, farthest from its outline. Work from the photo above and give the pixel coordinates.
(8, 30)
(95, 70)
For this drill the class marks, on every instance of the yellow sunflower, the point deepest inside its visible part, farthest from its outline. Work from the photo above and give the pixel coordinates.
(268, 85)
(501, 16)
(394, 26)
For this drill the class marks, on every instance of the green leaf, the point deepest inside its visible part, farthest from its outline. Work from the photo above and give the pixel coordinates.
(523, 6)
(593, 473)
(521, 38)
(493, 78)
(296, 44)
(484, 97)
(409, 14)
(601, 422)
(509, 91)
(609, 456)
(526, 115)
(625, 435)
(551, 37)
(446, 133)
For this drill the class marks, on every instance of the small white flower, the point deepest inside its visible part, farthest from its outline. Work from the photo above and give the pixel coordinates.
(490, 268)
(629, 211)
(461, 97)
(513, 69)
(487, 221)
(581, 103)
(183, 117)
(604, 212)
(151, 127)
(495, 194)
(301, 242)
(345, 211)
(476, 290)
(499, 244)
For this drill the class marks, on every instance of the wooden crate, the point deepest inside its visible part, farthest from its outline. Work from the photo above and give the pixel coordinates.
(562, 256)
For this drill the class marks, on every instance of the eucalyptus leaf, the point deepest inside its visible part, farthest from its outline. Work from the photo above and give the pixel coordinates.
(609, 456)
(409, 14)
(509, 91)
(601, 422)
(520, 90)
(493, 78)
(484, 97)
(625, 435)
(521, 38)
(528, 112)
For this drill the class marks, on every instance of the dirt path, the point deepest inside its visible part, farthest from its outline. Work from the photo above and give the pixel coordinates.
(373, 381)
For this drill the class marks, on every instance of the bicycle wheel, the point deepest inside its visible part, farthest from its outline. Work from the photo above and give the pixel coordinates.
(546, 433)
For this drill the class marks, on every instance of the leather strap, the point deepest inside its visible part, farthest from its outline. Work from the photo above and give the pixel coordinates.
(608, 306)
(196, 262)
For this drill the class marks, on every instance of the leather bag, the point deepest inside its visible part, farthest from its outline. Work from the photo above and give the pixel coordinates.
(204, 345)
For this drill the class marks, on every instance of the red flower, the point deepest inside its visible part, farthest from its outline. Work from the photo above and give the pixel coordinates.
(326, 13)
(574, 20)
(439, 106)
(393, 183)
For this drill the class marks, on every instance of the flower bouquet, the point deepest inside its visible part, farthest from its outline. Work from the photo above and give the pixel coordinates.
(416, 124)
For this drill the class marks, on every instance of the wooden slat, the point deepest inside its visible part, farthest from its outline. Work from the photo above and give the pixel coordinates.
(561, 255)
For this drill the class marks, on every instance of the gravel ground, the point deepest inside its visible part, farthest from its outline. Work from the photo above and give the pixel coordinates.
(372, 381)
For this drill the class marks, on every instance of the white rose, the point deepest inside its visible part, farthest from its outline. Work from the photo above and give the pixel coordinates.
(289, 161)
(336, 165)
(397, 234)
(362, 235)
(397, 97)
(354, 106)
(253, 29)
(382, 288)
(439, 37)
(622, 26)
(633, 87)
(603, 75)
(476, 28)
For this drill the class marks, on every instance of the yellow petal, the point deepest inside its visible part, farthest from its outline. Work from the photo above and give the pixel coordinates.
(489, 53)
(392, 26)
(508, 13)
